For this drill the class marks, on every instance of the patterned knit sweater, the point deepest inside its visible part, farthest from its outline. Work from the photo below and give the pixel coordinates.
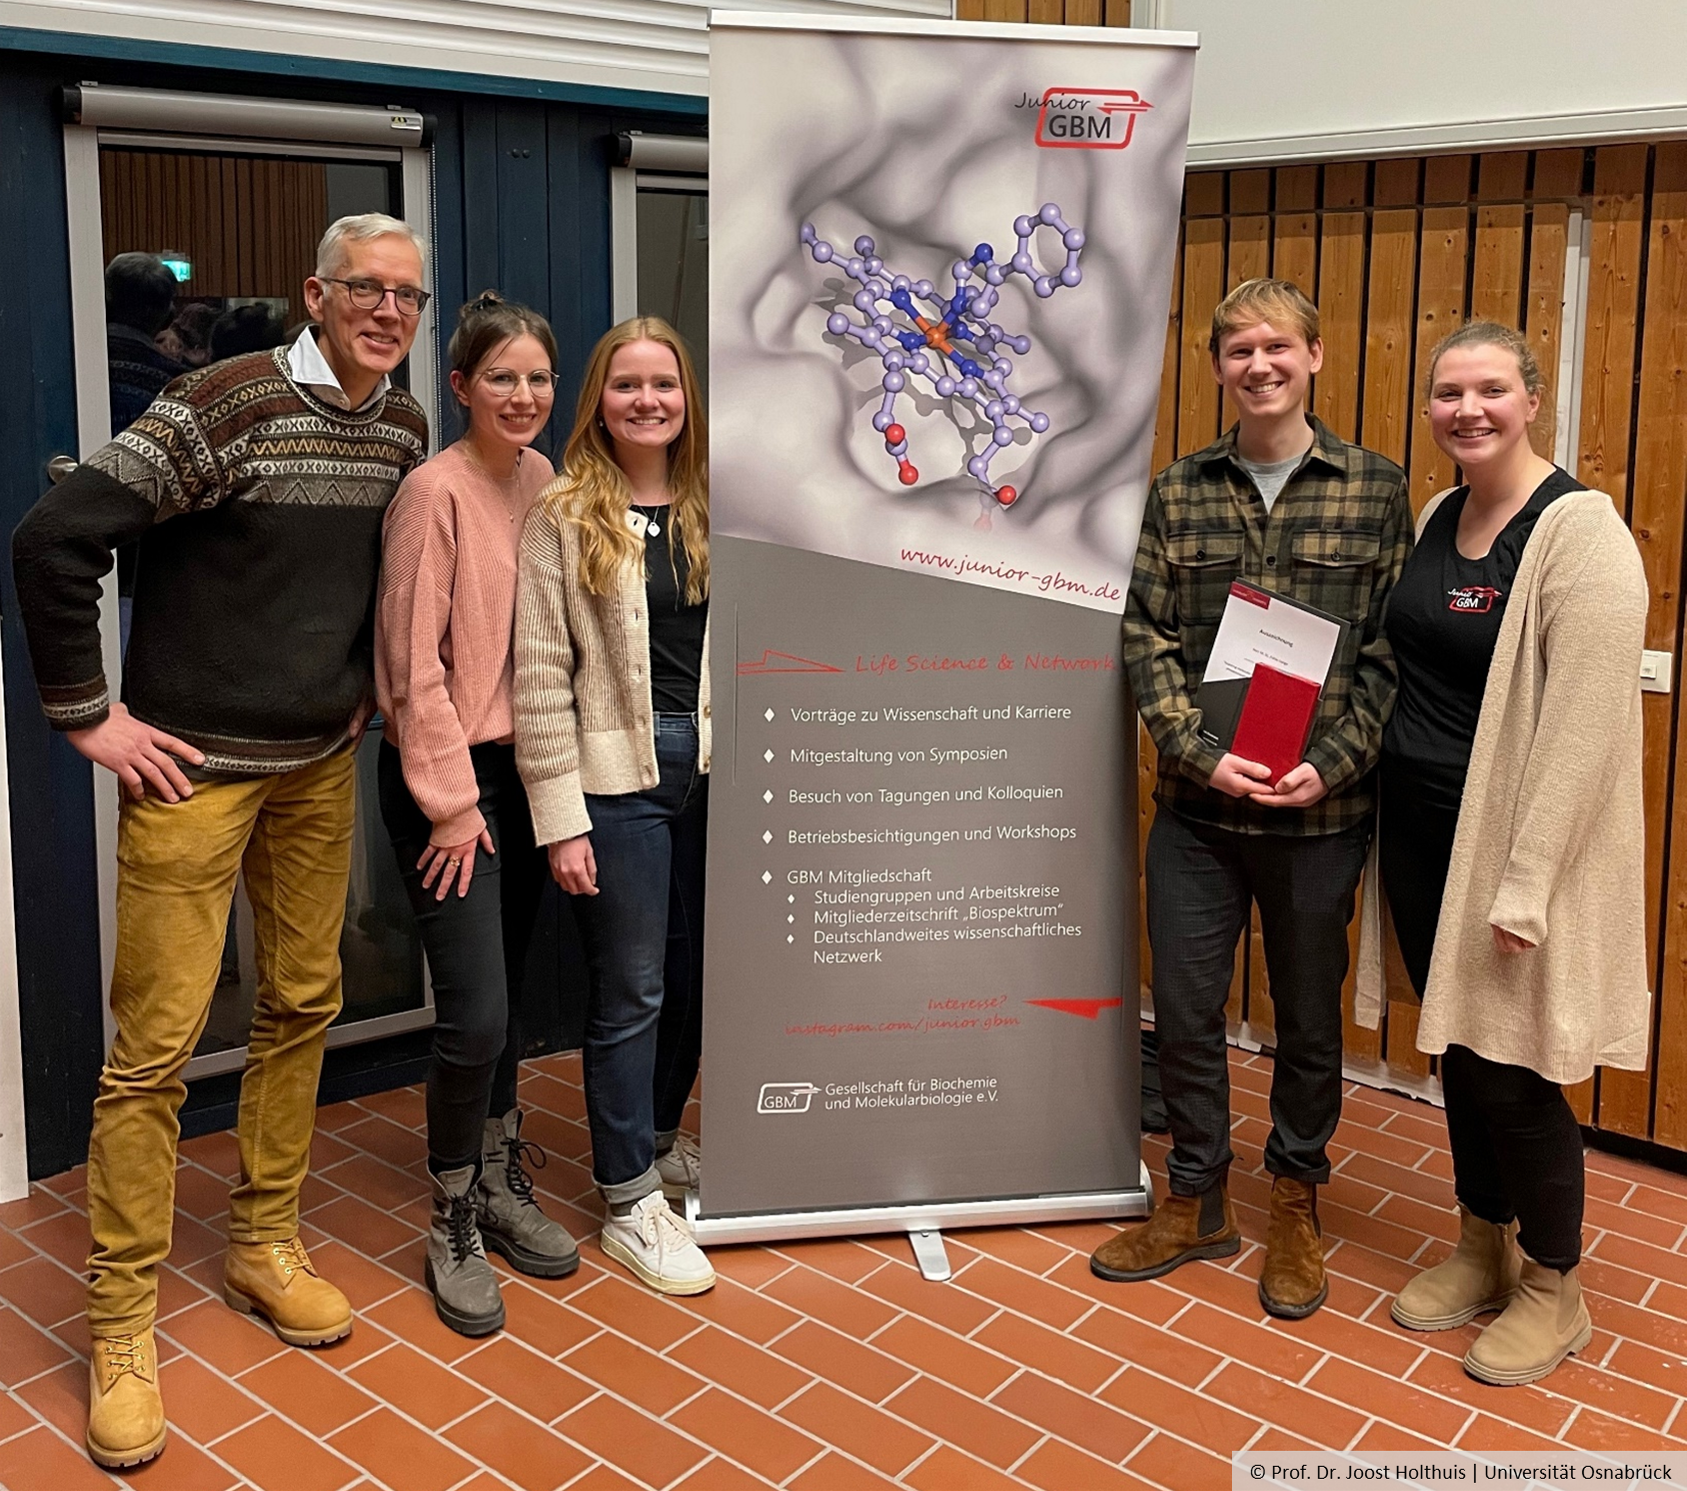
(258, 509)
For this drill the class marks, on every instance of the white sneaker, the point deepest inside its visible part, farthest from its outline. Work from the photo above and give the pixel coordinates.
(681, 1168)
(656, 1246)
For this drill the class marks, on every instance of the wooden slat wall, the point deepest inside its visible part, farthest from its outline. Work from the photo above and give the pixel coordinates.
(249, 224)
(1397, 253)
(1047, 12)
(1656, 515)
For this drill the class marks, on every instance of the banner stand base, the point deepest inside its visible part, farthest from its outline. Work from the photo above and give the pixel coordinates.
(931, 1255)
(1018, 1211)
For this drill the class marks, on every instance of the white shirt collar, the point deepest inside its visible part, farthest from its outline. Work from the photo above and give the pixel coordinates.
(310, 370)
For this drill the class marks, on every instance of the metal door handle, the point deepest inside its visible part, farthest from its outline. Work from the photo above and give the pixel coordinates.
(60, 467)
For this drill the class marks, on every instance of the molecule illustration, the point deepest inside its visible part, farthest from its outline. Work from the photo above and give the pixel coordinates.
(951, 343)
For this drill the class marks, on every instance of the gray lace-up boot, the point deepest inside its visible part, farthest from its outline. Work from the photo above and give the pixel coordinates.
(464, 1287)
(510, 1220)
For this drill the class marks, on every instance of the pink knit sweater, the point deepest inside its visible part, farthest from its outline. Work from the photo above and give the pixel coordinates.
(444, 666)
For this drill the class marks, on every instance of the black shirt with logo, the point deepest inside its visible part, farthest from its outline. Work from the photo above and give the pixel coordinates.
(676, 628)
(1444, 620)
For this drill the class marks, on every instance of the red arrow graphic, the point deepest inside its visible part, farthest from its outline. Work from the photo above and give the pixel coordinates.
(1088, 1008)
(785, 662)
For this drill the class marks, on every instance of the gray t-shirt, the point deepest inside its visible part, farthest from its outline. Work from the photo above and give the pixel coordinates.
(1270, 476)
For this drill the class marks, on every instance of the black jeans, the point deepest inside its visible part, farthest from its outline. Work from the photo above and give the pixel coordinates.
(1201, 881)
(1517, 1148)
(476, 947)
(643, 933)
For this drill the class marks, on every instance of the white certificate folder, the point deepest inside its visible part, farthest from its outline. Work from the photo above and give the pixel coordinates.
(1259, 626)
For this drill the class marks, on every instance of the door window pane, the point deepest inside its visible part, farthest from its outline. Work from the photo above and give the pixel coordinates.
(673, 267)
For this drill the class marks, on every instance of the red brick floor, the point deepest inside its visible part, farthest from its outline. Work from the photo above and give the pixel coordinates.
(829, 1366)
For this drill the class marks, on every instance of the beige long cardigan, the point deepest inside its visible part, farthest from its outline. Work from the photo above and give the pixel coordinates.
(583, 716)
(1549, 836)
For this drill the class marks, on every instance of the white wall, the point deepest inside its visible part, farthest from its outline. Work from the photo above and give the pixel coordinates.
(659, 45)
(1324, 78)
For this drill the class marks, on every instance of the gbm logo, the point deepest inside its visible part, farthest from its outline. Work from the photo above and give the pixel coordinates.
(785, 1097)
(1088, 118)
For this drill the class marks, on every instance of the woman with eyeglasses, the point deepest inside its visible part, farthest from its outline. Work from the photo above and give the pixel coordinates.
(453, 801)
(612, 738)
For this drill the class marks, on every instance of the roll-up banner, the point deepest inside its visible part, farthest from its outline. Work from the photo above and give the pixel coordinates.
(941, 255)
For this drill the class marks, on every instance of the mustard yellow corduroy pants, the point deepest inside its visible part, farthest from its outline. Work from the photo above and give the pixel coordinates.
(177, 864)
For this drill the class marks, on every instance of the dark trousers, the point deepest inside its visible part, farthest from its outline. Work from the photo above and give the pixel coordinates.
(1517, 1148)
(643, 933)
(1201, 881)
(476, 947)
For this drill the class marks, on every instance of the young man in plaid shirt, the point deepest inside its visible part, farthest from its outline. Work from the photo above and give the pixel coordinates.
(1285, 505)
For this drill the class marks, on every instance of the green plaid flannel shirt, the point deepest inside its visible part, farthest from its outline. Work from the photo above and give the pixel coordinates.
(1336, 538)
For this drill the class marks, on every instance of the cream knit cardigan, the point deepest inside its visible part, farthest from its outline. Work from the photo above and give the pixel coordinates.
(583, 716)
(1549, 835)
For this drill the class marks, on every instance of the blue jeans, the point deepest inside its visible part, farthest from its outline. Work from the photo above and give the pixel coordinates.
(643, 934)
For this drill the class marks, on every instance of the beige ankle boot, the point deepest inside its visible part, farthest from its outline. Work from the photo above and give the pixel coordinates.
(125, 1411)
(1480, 1276)
(1546, 1322)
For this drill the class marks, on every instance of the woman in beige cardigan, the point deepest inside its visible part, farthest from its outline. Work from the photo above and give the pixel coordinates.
(1509, 843)
(612, 741)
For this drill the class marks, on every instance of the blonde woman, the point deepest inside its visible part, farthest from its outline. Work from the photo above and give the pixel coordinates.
(612, 740)
(1510, 843)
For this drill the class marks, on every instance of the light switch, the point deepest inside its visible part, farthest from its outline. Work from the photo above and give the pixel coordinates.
(1656, 671)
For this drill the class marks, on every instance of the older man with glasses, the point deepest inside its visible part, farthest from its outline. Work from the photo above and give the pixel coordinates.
(256, 489)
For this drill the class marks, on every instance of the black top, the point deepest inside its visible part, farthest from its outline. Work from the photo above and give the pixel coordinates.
(1443, 621)
(676, 629)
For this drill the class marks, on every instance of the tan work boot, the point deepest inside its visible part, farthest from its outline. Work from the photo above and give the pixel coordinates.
(278, 1281)
(1182, 1228)
(1293, 1283)
(1480, 1276)
(1544, 1323)
(125, 1411)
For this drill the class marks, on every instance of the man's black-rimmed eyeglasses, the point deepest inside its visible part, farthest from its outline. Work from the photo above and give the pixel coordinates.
(367, 294)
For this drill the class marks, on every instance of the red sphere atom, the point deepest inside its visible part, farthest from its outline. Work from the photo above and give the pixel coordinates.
(908, 474)
(1006, 496)
(895, 434)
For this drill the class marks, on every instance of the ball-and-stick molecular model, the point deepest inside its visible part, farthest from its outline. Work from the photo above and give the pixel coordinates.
(951, 343)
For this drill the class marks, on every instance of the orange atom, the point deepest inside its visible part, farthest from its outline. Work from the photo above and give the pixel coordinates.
(936, 333)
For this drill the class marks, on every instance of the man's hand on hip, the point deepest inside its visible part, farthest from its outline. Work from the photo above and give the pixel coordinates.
(360, 720)
(139, 754)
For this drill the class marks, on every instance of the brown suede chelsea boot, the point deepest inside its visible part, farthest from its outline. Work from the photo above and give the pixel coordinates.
(1293, 1283)
(1182, 1228)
